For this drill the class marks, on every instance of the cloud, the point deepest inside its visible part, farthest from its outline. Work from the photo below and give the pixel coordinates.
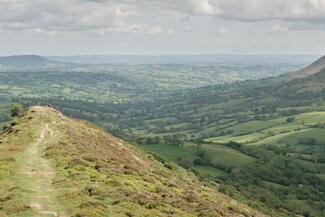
(222, 30)
(220, 42)
(136, 29)
(307, 26)
(257, 10)
(135, 16)
(279, 28)
(64, 15)
(158, 30)
(205, 7)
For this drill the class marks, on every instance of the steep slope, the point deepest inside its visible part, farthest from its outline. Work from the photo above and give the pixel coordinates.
(52, 165)
(314, 84)
(314, 68)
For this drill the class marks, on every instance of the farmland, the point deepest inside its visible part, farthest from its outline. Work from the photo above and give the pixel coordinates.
(252, 138)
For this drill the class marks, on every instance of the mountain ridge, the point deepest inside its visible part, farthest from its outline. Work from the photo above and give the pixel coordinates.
(55, 165)
(311, 69)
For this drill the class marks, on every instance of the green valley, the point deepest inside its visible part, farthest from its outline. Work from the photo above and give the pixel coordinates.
(259, 141)
(162, 108)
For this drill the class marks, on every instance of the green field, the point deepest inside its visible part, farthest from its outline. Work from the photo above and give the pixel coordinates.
(300, 137)
(277, 131)
(171, 152)
(227, 156)
(221, 155)
(251, 126)
(249, 138)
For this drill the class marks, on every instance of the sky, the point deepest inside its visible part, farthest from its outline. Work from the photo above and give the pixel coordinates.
(161, 27)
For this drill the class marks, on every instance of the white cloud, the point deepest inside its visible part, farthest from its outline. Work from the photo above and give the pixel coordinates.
(279, 28)
(136, 29)
(205, 7)
(127, 15)
(187, 28)
(222, 30)
(258, 10)
(155, 30)
(159, 30)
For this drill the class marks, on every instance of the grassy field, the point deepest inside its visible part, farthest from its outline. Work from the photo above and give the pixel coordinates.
(249, 138)
(300, 131)
(296, 137)
(249, 127)
(171, 153)
(227, 156)
(221, 155)
(209, 171)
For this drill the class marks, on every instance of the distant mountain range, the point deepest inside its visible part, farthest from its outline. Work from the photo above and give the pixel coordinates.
(227, 59)
(35, 62)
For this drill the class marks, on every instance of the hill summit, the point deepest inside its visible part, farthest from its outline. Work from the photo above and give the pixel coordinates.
(23, 60)
(58, 166)
(313, 68)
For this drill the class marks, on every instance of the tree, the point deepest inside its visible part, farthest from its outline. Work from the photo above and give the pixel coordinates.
(290, 120)
(16, 110)
(313, 141)
(184, 161)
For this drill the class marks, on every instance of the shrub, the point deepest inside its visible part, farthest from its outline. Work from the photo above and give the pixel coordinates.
(16, 110)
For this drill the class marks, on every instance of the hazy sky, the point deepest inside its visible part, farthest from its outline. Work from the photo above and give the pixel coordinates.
(117, 27)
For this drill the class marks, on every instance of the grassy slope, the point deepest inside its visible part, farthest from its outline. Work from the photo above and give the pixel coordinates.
(97, 174)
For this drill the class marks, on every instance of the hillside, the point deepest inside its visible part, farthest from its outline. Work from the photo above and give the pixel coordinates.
(313, 68)
(23, 60)
(58, 166)
(29, 62)
(278, 124)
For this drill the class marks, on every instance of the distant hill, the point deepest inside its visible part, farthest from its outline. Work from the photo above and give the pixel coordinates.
(313, 68)
(24, 60)
(226, 59)
(54, 165)
(28, 62)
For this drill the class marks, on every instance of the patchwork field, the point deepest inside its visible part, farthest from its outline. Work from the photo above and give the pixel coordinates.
(227, 156)
(220, 155)
(302, 129)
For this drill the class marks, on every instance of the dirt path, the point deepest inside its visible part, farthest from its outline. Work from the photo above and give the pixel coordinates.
(36, 177)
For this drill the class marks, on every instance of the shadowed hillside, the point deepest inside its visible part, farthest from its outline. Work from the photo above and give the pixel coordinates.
(59, 166)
